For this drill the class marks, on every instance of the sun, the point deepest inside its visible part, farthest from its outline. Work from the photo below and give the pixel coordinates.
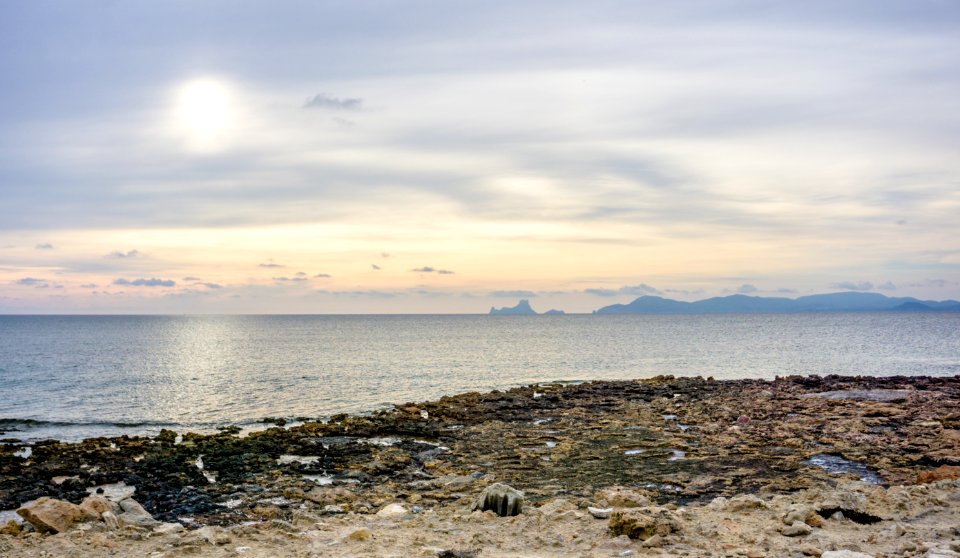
(204, 113)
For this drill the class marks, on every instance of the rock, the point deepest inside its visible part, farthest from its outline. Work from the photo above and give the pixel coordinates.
(943, 472)
(392, 510)
(95, 506)
(744, 503)
(134, 514)
(501, 499)
(796, 529)
(10, 527)
(115, 492)
(653, 542)
(49, 515)
(600, 513)
(643, 523)
(213, 535)
(810, 550)
(622, 497)
(879, 395)
(111, 520)
(167, 528)
(325, 495)
(362, 534)
(845, 554)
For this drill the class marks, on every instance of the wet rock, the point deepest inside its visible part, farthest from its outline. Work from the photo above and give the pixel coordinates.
(643, 523)
(943, 472)
(501, 499)
(49, 515)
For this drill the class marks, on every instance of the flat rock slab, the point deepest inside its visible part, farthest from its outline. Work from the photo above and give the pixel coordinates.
(878, 395)
(49, 515)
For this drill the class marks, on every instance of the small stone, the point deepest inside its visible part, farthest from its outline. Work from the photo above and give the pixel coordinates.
(838, 516)
(94, 506)
(134, 514)
(643, 523)
(49, 515)
(796, 529)
(501, 499)
(744, 503)
(111, 520)
(653, 542)
(362, 534)
(167, 528)
(810, 550)
(392, 510)
(600, 513)
(845, 554)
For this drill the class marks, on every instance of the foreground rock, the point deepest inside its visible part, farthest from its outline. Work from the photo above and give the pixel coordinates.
(686, 466)
(48, 515)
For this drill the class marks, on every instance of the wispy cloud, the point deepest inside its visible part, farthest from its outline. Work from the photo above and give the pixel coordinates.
(633, 290)
(428, 269)
(30, 281)
(153, 282)
(324, 101)
(44, 246)
(513, 294)
(853, 285)
(747, 288)
(271, 265)
(129, 254)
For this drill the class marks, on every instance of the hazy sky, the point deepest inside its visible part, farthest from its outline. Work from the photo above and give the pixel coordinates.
(440, 156)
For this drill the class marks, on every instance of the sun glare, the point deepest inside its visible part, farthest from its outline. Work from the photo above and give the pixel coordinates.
(204, 113)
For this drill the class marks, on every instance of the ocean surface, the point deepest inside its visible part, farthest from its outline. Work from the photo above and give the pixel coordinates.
(71, 377)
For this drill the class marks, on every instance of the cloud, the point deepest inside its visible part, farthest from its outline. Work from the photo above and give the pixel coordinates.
(853, 286)
(786, 291)
(633, 290)
(747, 288)
(322, 276)
(88, 286)
(192, 278)
(270, 265)
(375, 267)
(210, 285)
(513, 294)
(44, 246)
(290, 279)
(31, 281)
(323, 101)
(153, 282)
(301, 274)
(124, 255)
(428, 269)
(888, 286)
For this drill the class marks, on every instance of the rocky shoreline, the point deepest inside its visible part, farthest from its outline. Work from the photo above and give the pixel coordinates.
(663, 466)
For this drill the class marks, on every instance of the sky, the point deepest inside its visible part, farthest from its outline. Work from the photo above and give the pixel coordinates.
(358, 156)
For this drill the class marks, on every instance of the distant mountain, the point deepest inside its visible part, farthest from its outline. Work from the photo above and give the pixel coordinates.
(522, 309)
(742, 304)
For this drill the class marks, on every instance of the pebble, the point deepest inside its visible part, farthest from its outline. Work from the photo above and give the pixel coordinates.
(796, 529)
(600, 513)
(392, 510)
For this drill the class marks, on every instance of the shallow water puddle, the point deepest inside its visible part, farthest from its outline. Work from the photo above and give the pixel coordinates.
(322, 480)
(23, 452)
(837, 465)
(302, 459)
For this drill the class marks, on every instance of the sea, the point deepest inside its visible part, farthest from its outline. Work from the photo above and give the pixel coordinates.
(74, 377)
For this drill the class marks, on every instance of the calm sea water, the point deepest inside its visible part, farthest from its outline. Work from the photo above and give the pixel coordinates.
(70, 377)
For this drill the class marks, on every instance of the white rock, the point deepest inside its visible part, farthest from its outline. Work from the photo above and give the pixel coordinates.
(167, 528)
(392, 510)
(844, 554)
(600, 513)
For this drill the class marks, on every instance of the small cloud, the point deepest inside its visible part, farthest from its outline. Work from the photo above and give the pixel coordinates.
(30, 281)
(787, 291)
(322, 276)
(747, 288)
(323, 101)
(44, 246)
(210, 285)
(124, 255)
(444, 272)
(375, 267)
(88, 286)
(888, 286)
(424, 269)
(301, 274)
(270, 265)
(290, 279)
(853, 286)
(192, 278)
(152, 282)
(602, 292)
(384, 255)
(513, 294)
